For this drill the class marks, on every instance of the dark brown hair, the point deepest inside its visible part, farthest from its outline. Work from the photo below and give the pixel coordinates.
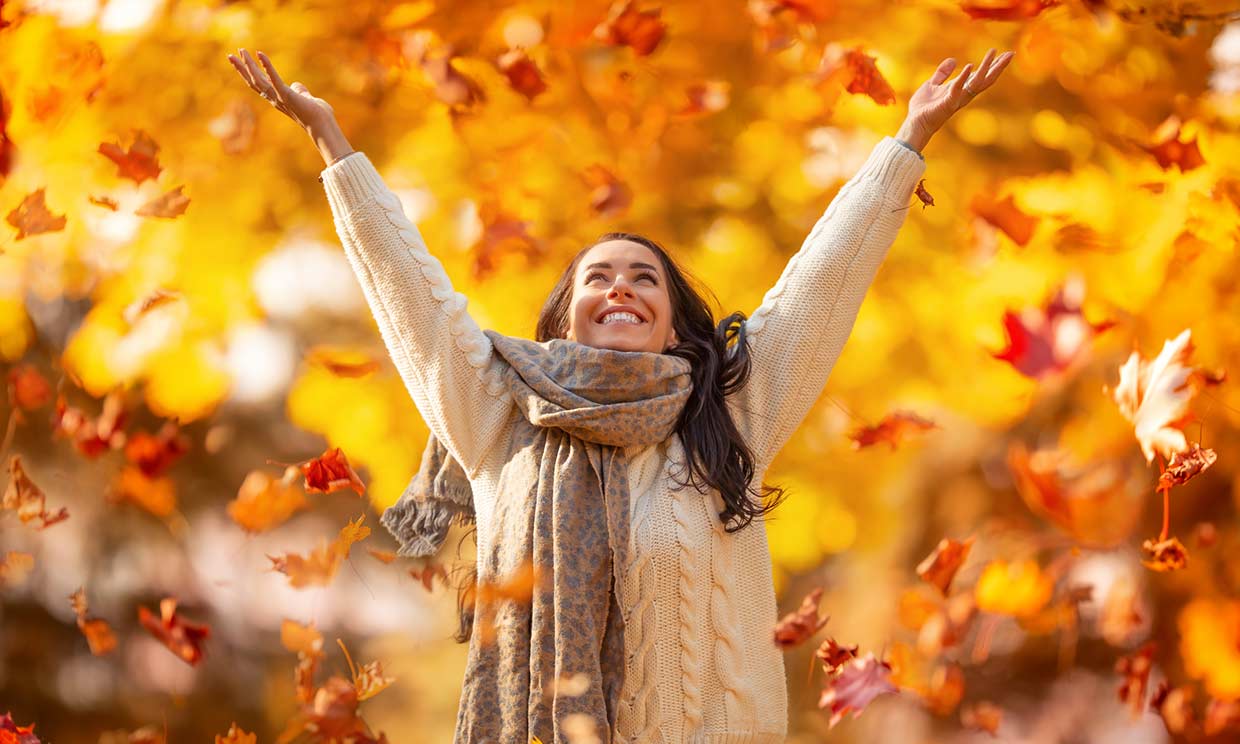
(717, 456)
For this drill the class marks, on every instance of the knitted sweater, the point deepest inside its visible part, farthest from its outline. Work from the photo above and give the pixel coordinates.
(702, 665)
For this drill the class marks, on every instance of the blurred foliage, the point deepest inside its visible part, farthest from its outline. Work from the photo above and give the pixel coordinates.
(1085, 207)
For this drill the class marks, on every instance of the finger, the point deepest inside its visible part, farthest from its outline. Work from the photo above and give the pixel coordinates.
(944, 71)
(260, 79)
(997, 68)
(299, 87)
(984, 65)
(958, 84)
(277, 82)
(243, 70)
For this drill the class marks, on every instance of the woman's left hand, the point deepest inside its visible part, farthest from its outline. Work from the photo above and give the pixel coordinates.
(936, 100)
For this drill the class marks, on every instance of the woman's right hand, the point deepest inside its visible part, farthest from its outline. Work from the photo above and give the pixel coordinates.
(294, 101)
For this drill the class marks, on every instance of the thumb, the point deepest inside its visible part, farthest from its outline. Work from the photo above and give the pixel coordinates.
(297, 86)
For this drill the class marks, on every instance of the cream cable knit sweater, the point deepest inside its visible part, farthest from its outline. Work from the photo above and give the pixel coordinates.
(702, 664)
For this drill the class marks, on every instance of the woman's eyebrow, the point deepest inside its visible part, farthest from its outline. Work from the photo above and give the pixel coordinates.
(634, 265)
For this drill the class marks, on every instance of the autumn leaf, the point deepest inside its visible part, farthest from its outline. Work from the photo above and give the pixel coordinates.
(1154, 396)
(502, 235)
(641, 31)
(452, 87)
(137, 163)
(893, 429)
(522, 73)
(8, 150)
(32, 217)
(1164, 555)
(15, 566)
(368, 679)
(833, 655)
(383, 556)
(1169, 149)
(855, 687)
(92, 436)
(155, 495)
(264, 502)
(518, 586)
(1005, 10)
(28, 388)
(920, 192)
(236, 735)
(11, 733)
(331, 716)
(705, 97)
(153, 454)
(331, 472)
(1221, 716)
(856, 71)
(428, 572)
(945, 689)
(609, 196)
(342, 363)
(158, 297)
(1186, 465)
(168, 205)
(182, 637)
(1175, 706)
(1095, 503)
(982, 716)
(1005, 216)
(1135, 670)
(235, 127)
(1016, 588)
(27, 499)
(940, 567)
(98, 633)
(1053, 339)
(307, 643)
(797, 626)
(319, 566)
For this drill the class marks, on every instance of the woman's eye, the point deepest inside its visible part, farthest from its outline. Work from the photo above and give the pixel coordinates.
(590, 277)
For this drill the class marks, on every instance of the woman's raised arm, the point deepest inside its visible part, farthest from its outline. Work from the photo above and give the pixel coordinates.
(442, 355)
(797, 333)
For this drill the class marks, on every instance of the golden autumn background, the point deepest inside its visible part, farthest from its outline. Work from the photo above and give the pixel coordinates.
(186, 348)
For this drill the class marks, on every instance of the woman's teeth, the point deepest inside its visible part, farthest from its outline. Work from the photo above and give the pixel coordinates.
(622, 318)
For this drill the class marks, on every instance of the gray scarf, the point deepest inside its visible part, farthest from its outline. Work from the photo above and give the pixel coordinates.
(562, 509)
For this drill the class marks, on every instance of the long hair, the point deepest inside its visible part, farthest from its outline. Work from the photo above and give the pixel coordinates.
(718, 353)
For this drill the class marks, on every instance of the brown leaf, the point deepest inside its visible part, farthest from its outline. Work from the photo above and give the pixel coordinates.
(32, 217)
(307, 643)
(1221, 716)
(940, 567)
(641, 31)
(1005, 10)
(182, 637)
(27, 499)
(856, 71)
(154, 453)
(894, 428)
(156, 495)
(1167, 555)
(833, 656)
(857, 684)
(169, 205)
(320, 565)
(98, 633)
(452, 87)
(609, 196)
(1175, 705)
(235, 127)
(264, 502)
(1169, 149)
(103, 201)
(28, 388)
(1186, 465)
(428, 572)
(523, 75)
(797, 626)
(705, 97)
(923, 195)
(139, 162)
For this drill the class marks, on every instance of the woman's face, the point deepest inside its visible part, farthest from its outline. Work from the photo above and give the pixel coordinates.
(617, 277)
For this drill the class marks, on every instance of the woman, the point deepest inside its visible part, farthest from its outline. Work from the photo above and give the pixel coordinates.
(620, 455)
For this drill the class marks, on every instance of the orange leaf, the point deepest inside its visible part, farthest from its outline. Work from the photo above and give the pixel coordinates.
(330, 472)
(139, 162)
(1168, 149)
(169, 205)
(856, 71)
(429, 572)
(1005, 216)
(705, 97)
(14, 567)
(797, 626)
(945, 690)
(236, 735)
(523, 75)
(342, 363)
(893, 428)
(641, 31)
(384, 556)
(153, 454)
(28, 388)
(1136, 672)
(1005, 10)
(156, 495)
(940, 567)
(833, 656)
(264, 502)
(370, 681)
(307, 642)
(1096, 504)
(32, 217)
(609, 196)
(98, 633)
(982, 716)
(1185, 466)
(319, 567)
(181, 637)
(1175, 705)
(1167, 555)
(11, 733)
(27, 499)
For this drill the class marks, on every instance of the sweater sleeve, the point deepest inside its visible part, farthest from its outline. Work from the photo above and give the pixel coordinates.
(444, 359)
(797, 333)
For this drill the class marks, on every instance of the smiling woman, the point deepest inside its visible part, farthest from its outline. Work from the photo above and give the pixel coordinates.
(620, 299)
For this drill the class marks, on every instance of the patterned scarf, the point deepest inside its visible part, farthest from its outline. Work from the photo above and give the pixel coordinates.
(562, 509)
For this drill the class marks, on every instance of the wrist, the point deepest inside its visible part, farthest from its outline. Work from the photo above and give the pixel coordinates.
(913, 135)
(329, 140)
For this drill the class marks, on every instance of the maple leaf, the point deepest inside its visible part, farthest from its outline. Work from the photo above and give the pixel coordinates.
(428, 572)
(319, 567)
(856, 71)
(331, 472)
(894, 428)
(778, 20)
(14, 567)
(1135, 670)
(1169, 149)
(833, 655)
(155, 495)
(27, 499)
(235, 127)
(307, 643)
(1164, 555)
(982, 716)
(32, 217)
(154, 453)
(1186, 465)
(342, 363)
(1017, 588)
(797, 626)
(706, 97)
(920, 192)
(855, 687)
(641, 31)
(609, 196)
(940, 567)
(461, 93)
(1092, 503)
(182, 637)
(264, 502)
(368, 679)
(331, 717)
(1005, 10)
(98, 633)
(28, 388)
(502, 235)
(168, 205)
(236, 735)
(137, 163)
(1005, 216)
(92, 437)
(1154, 396)
(522, 73)
(11, 733)
(1050, 340)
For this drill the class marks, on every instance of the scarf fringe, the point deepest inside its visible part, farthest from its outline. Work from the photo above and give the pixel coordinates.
(420, 527)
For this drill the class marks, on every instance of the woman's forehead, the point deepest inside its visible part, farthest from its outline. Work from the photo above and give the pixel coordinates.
(620, 254)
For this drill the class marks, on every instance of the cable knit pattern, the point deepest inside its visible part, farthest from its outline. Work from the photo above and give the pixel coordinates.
(702, 667)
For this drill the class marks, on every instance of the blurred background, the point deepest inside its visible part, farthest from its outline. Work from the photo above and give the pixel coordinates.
(178, 324)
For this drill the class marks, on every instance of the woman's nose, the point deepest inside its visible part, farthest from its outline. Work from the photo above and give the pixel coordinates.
(621, 287)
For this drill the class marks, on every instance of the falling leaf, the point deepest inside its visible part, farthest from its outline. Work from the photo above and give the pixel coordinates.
(140, 307)
(32, 217)
(778, 21)
(1221, 716)
(945, 690)
(169, 205)
(706, 97)
(153, 454)
(1154, 396)
(1123, 613)
(894, 428)
(940, 567)
(1186, 465)
(428, 572)
(920, 192)
(833, 655)
(181, 637)
(641, 31)
(1135, 670)
(98, 633)
(1164, 555)
(307, 643)
(856, 71)
(28, 388)
(1050, 340)
(518, 586)
(383, 556)
(104, 201)
(235, 127)
(14, 567)
(11, 733)
(1094, 503)
(1005, 216)
(139, 162)
(144, 735)
(1175, 706)
(982, 716)
(502, 235)
(320, 565)
(797, 626)
(264, 501)
(342, 363)
(8, 150)
(370, 680)
(1005, 10)
(236, 735)
(27, 499)
(609, 196)
(1017, 588)
(93, 437)
(331, 472)
(156, 495)
(522, 73)
(458, 91)
(1169, 149)
(857, 684)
